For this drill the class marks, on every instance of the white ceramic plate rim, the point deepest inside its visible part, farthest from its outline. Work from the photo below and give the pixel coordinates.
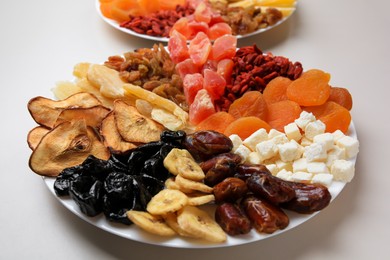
(115, 24)
(134, 233)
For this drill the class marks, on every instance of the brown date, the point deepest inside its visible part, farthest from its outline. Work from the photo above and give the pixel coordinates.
(223, 157)
(219, 172)
(232, 220)
(204, 145)
(229, 190)
(244, 171)
(264, 216)
(308, 198)
(267, 186)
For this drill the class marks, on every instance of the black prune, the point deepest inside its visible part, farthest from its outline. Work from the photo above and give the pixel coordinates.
(123, 182)
(173, 137)
(87, 192)
(62, 182)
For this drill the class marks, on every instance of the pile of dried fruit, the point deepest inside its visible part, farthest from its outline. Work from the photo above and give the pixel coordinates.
(118, 142)
(159, 17)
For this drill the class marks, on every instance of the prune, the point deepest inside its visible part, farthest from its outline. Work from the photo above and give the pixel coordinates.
(87, 192)
(204, 145)
(270, 187)
(114, 213)
(232, 220)
(308, 198)
(62, 182)
(229, 190)
(121, 183)
(173, 137)
(122, 193)
(264, 216)
(118, 186)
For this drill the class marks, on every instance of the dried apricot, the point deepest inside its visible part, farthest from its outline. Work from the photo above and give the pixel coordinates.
(245, 126)
(333, 115)
(276, 89)
(282, 113)
(252, 103)
(217, 122)
(341, 96)
(311, 89)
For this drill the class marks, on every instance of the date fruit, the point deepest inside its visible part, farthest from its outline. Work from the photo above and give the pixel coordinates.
(244, 171)
(229, 190)
(232, 219)
(308, 198)
(264, 216)
(204, 145)
(267, 186)
(223, 157)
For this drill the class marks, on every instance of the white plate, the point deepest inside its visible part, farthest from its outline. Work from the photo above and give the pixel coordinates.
(134, 233)
(115, 24)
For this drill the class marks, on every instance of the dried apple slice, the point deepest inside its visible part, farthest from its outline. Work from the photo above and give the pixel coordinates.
(68, 144)
(45, 111)
(35, 135)
(111, 137)
(93, 115)
(134, 127)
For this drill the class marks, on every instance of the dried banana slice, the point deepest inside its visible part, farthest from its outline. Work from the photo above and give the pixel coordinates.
(180, 162)
(166, 201)
(171, 220)
(200, 199)
(171, 184)
(198, 223)
(150, 223)
(192, 185)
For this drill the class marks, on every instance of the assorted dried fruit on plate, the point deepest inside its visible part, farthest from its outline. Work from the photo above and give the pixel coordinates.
(157, 19)
(150, 137)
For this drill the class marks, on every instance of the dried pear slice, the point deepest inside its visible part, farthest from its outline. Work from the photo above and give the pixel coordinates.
(45, 111)
(68, 144)
(111, 136)
(93, 115)
(106, 80)
(156, 100)
(134, 127)
(35, 135)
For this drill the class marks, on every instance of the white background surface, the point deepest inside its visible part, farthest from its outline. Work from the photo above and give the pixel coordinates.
(42, 40)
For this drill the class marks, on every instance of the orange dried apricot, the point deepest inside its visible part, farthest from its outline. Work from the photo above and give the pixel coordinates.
(252, 103)
(341, 96)
(217, 121)
(245, 126)
(311, 89)
(276, 89)
(282, 113)
(333, 115)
